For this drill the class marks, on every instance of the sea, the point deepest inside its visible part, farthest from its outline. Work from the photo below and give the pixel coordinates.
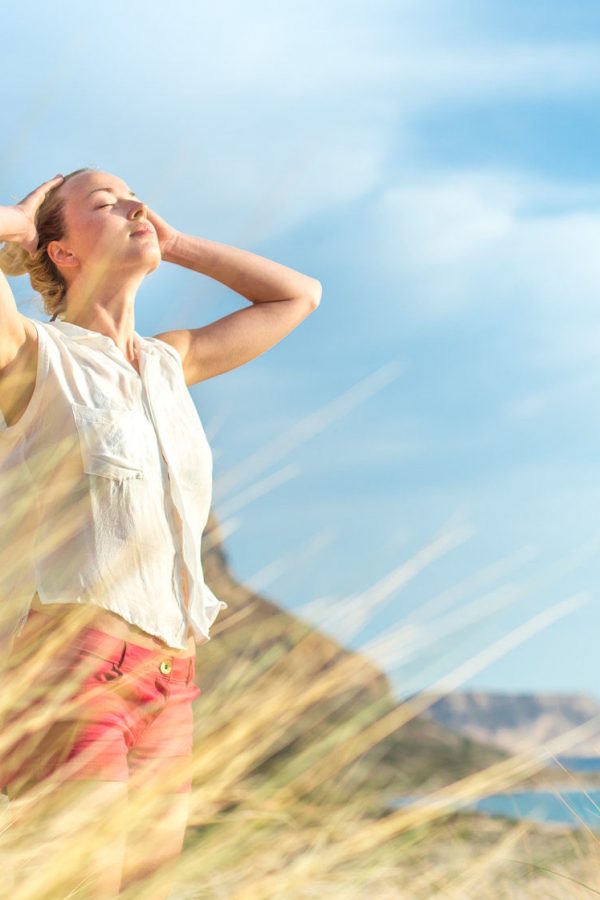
(576, 808)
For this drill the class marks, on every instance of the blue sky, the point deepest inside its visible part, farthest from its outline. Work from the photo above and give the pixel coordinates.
(416, 467)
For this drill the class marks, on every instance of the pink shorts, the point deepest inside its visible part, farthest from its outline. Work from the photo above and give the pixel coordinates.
(130, 715)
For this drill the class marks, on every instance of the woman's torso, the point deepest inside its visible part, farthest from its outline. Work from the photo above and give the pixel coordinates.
(17, 383)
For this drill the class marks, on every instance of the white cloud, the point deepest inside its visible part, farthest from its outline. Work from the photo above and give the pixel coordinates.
(463, 237)
(448, 219)
(471, 71)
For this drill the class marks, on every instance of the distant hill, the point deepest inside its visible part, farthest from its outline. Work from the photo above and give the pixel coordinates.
(517, 722)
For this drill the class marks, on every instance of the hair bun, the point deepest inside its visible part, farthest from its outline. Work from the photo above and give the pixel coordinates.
(14, 259)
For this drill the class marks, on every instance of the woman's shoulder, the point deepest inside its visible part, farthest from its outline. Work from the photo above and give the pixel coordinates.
(164, 347)
(22, 379)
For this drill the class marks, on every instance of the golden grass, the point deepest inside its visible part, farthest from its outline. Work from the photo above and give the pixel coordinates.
(268, 824)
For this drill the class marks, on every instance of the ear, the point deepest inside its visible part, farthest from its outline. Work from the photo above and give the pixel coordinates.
(60, 256)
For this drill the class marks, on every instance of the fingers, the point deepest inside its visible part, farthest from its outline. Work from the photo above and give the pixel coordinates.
(40, 192)
(48, 185)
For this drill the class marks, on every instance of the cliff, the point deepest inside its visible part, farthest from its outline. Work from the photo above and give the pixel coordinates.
(420, 754)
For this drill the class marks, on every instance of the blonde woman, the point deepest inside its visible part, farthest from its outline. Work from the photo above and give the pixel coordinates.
(105, 476)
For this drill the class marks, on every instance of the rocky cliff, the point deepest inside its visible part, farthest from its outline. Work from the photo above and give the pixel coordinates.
(419, 754)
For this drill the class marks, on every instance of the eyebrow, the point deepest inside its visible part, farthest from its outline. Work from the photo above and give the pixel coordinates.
(111, 191)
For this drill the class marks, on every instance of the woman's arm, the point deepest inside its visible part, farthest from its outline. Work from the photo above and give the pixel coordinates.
(258, 279)
(14, 224)
(13, 227)
(281, 299)
(17, 224)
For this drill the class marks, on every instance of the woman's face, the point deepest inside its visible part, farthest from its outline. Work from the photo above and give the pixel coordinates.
(101, 213)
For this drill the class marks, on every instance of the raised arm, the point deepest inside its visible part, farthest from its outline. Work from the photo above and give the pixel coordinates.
(12, 328)
(280, 299)
(17, 224)
(18, 344)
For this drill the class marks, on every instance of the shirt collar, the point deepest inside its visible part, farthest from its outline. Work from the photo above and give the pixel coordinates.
(88, 335)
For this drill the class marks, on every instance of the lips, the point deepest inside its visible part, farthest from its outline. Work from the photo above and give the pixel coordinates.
(145, 229)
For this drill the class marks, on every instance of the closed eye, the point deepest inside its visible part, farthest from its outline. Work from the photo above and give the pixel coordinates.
(106, 204)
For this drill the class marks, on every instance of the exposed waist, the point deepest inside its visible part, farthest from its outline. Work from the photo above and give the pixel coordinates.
(112, 623)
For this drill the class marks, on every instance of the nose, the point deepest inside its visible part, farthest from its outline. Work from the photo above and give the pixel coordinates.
(138, 207)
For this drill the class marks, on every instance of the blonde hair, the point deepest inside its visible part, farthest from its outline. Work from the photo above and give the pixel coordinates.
(44, 276)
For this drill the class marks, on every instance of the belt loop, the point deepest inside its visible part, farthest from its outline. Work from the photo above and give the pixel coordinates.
(120, 663)
(190, 667)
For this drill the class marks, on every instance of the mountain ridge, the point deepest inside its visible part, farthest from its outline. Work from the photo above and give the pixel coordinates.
(517, 721)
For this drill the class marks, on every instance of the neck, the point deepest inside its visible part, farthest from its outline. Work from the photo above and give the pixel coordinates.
(108, 308)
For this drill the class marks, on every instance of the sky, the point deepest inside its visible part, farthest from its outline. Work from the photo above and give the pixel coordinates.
(415, 469)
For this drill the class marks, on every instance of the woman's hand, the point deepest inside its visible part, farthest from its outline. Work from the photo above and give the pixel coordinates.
(165, 233)
(26, 232)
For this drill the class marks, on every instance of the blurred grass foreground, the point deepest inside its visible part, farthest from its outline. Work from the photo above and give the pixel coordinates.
(300, 749)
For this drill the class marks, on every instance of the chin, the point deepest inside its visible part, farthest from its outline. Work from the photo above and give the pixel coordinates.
(149, 253)
(153, 266)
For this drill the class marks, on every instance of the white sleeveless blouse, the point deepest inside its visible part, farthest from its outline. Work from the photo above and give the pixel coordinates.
(105, 488)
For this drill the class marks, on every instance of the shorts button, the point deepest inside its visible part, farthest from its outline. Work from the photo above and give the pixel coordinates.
(165, 666)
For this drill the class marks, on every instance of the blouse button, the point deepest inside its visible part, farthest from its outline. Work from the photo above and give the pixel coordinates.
(165, 666)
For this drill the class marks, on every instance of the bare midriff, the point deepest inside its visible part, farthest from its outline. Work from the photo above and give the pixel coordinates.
(113, 623)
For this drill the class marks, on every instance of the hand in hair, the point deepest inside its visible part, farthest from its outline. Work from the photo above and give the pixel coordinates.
(26, 230)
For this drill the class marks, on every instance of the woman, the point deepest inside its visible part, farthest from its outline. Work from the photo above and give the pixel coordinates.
(106, 471)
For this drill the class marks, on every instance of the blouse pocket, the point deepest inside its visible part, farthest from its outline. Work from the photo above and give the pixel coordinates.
(110, 441)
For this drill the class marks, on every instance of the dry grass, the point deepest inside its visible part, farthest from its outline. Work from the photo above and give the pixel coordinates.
(265, 824)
